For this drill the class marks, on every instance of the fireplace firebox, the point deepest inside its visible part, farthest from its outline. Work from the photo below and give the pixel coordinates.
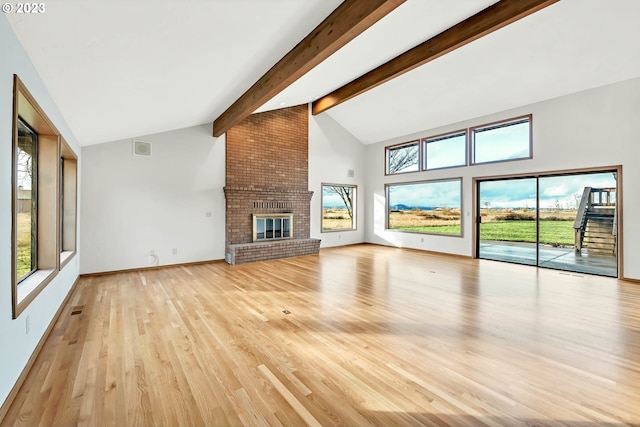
(267, 227)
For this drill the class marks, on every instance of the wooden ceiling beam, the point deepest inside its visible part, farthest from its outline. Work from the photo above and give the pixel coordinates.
(482, 23)
(344, 24)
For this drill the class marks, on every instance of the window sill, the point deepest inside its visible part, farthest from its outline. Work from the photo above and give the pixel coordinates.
(65, 257)
(31, 286)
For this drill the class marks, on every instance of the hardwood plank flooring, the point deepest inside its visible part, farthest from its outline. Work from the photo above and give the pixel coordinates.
(373, 336)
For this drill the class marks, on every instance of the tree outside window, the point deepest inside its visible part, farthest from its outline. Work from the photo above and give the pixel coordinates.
(338, 207)
(403, 158)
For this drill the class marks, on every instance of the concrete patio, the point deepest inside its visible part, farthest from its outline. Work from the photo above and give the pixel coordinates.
(551, 257)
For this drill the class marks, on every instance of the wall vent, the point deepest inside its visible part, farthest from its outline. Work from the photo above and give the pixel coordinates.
(272, 205)
(141, 148)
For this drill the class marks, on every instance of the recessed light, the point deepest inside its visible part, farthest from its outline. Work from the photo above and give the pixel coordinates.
(282, 104)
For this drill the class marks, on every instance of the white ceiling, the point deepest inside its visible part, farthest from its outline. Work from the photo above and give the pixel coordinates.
(121, 69)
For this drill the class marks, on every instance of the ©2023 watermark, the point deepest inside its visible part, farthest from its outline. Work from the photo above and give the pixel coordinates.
(30, 8)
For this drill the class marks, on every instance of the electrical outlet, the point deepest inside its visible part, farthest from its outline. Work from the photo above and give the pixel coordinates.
(153, 257)
(27, 325)
(174, 251)
(207, 214)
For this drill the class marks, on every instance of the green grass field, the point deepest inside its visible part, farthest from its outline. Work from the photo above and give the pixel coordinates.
(439, 229)
(23, 262)
(551, 232)
(556, 227)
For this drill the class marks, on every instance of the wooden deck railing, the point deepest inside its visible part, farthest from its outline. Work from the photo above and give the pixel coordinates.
(592, 198)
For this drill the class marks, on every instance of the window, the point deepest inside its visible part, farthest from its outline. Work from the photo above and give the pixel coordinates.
(403, 158)
(425, 207)
(494, 142)
(26, 225)
(338, 207)
(445, 151)
(501, 141)
(35, 173)
(68, 202)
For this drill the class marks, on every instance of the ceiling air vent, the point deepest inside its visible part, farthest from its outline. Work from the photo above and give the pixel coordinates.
(141, 148)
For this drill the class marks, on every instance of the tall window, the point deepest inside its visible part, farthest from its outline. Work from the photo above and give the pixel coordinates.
(403, 158)
(36, 204)
(27, 207)
(425, 207)
(445, 151)
(338, 207)
(501, 141)
(68, 202)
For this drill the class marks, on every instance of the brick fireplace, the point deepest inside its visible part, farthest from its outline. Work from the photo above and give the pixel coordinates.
(267, 173)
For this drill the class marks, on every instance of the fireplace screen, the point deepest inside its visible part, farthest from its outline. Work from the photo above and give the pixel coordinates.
(272, 227)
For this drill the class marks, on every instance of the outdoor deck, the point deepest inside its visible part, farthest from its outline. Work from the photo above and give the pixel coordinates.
(550, 257)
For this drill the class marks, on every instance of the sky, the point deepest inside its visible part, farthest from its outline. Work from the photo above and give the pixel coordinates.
(513, 193)
(436, 194)
(331, 200)
(511, 142)
(446, 153)
(23, 178)
(521, 193)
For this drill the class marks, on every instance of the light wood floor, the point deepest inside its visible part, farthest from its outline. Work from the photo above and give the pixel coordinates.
(374, 336)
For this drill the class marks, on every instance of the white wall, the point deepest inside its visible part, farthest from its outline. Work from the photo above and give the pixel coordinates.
(332, 152)
(593, 128)
(132, 204)
(17, 346)
(171, 200)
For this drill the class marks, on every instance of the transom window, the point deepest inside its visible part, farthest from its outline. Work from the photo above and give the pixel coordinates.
(502, 141)
(445, 151)
(403, 158)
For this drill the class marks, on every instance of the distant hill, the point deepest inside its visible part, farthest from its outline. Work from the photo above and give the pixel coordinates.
(398, 207)
(403, 207)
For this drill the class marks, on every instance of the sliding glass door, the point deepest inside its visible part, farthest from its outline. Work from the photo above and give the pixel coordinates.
(566, 222)
(507, 226)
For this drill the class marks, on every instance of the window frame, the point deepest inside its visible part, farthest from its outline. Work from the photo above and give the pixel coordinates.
(498, 124)
(354, 208)
(442, 137)
(388, 148)
(68, 223)
(25, 108)
(433, 181)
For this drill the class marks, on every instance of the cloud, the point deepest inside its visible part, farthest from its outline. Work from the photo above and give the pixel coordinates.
(515, 193)
(428, 194)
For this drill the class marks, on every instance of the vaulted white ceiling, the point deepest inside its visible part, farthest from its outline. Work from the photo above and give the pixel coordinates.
(121, 69)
